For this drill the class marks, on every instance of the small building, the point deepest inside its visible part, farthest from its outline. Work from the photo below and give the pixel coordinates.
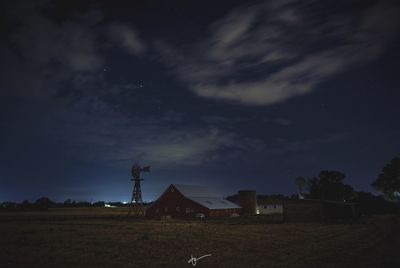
(307, 210)
(190, 200)
(269, 206)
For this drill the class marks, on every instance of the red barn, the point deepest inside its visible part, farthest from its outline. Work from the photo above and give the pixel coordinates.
(190, 200)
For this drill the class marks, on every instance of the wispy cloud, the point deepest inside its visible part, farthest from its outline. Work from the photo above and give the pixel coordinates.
(269, 53)
(126, 37)
(284, 146)
(93, 131)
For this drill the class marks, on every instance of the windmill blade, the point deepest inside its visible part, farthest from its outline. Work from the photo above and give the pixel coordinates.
(146, 169)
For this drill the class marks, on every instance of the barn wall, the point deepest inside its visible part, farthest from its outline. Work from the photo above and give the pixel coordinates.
(302, 211)
(224, 212)
(174, 204)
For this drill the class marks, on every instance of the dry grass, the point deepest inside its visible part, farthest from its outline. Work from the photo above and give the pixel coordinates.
(104, 238)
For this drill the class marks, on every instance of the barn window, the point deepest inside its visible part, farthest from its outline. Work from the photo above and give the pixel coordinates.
(166, 209)
(172, 189)
(178, 209)
(157, 210)
(188, 210)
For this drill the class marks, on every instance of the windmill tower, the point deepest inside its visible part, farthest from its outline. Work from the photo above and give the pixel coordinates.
(136, 205)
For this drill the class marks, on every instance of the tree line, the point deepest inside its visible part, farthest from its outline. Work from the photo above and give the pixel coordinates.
(329, 185)
(44, 203)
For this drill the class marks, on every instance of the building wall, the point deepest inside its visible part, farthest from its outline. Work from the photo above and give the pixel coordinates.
(302, 210)
(224, 212)
(270, 209)
(174, 204)
(318, 210)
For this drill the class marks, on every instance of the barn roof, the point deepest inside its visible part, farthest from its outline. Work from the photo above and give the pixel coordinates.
(203, 196)
(194, 191)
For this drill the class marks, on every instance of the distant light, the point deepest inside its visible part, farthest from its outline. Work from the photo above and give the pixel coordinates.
(125, 202)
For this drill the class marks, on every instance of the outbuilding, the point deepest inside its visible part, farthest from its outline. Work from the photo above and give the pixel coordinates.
(269, 206)
(180, 200)
(300, 210)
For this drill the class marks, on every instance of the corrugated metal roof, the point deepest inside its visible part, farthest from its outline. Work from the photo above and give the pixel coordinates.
(214, 202)
(205, 197)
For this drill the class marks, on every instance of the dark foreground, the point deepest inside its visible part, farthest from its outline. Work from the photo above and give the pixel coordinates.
(98, 239)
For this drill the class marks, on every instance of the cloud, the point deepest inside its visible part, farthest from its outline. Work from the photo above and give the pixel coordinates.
(71, 44)
(269, 53)
(126, 37)
(92, 130)
(46, 57)
(43, 56)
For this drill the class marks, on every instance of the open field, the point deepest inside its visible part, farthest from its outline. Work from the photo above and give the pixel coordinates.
(105, 238)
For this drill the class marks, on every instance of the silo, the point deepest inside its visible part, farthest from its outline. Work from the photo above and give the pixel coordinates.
(248, 201)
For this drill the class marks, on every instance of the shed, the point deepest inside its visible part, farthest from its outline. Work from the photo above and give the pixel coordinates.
(302, 210)
(180, 200)
(269, 206)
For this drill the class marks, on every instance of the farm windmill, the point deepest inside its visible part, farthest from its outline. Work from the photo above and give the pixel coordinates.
(136, 205)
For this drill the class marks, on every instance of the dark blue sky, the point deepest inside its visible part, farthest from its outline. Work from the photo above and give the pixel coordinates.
(233, 95)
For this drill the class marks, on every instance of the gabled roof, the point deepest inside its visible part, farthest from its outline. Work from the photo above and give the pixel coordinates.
(203, 196)
(194, 190)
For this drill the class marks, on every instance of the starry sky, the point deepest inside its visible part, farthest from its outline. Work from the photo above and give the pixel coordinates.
(229, 94)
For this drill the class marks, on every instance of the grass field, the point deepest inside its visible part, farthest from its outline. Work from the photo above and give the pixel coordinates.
(106, 238)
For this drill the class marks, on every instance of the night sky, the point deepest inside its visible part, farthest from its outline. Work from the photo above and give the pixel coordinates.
(228, 94)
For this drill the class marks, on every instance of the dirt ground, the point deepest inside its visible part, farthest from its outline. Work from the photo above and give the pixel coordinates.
(106, 238)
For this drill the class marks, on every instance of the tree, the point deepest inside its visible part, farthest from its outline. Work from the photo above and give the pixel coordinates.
(301, 183)
(68, 202)
(328, 186)
(233, 198)
(372, 204)
(388, 182)
(44, 203)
